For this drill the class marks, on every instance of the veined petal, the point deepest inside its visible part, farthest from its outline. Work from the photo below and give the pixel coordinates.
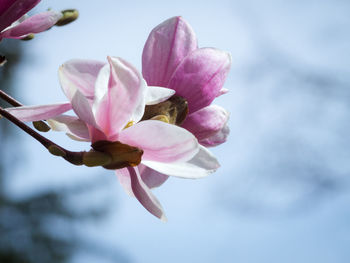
(79, 74)
(200, 76)
(161, 141)
(119, 95)
(201, 165)
(156, 95)
(34, 24)
(167, 45)
(39, 112)
(206, 122)
(151, 177)
(123, 176)
(217, 138)
(141, 191)
(71, 125)
(10, 11)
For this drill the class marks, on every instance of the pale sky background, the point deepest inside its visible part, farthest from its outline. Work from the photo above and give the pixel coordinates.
(282, 193)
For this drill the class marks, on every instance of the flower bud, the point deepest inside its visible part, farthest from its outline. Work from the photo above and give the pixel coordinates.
(3, 60)
(28, 37)
(122, 155)
(55, 150)
(41, 126)
(69, 15)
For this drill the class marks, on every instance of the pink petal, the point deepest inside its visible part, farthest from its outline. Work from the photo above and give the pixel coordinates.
(10, 11)
(200, 76)
(82, 108)
(141, 191)
(201, 165)
(73, 126)
(34, 24)
(79, 74)
(151, 177)
(218, 138)
(206, 122)
(123, 176)
(167, 45)
(161, 141)
(120, 95)
(39, 112)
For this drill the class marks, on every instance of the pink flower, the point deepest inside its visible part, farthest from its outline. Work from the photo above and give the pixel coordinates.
(172, 59)
(109, 100)
(14, 23)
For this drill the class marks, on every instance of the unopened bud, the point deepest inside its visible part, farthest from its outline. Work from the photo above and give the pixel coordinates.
(41, 126)
(69, 16)
(123, 155)
(3, 60)
(28, 37)
(94, 158)
(162, 118)
(57, 151)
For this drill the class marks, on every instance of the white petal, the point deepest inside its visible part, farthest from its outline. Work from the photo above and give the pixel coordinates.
(156, 94)
(72, 126)
(201, 165)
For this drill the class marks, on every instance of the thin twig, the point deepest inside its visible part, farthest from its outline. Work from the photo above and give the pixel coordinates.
(39, 125)
(9, 99)
(72, 157)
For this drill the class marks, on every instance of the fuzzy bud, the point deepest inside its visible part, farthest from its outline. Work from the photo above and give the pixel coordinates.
(69, 15)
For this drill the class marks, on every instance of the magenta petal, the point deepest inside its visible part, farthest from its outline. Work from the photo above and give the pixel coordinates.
(200, 76)
(79, 74)
(39, 112)
(144, 195)
(166, 47)
(216, 139)
(119, 95)
(206, 122)
(34, 24)
(160, 141)
(151, 177)
(13, 10)
(5, 4)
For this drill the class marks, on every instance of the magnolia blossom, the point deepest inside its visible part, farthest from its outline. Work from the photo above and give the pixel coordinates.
(171, 58)
(109, 101)
(14, 23)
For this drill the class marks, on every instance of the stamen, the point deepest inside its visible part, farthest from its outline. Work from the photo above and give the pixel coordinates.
(129, 124)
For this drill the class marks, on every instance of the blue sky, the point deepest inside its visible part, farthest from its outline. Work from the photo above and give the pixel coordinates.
(281, 194)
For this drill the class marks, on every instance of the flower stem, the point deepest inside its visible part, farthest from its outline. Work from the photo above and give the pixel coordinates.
(9, 99)
(39, 125)
(75, 158)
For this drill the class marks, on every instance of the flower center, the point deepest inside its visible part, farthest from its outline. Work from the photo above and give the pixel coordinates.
(173, 111)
